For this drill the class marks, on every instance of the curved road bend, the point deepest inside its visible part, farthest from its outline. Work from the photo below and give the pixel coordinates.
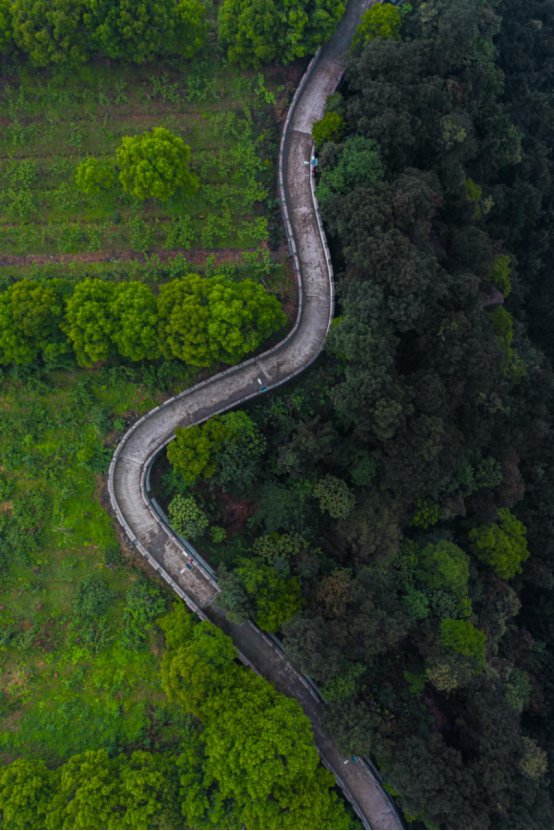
(132, 459)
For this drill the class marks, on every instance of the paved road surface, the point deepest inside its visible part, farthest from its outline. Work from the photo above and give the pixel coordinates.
(137, 449)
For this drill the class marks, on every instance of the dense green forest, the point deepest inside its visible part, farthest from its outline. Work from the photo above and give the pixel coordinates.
(389, 515)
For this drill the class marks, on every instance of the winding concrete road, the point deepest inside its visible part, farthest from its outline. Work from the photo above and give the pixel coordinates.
(128, 479)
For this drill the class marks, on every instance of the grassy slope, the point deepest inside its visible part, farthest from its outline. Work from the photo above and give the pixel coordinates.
(62, 694)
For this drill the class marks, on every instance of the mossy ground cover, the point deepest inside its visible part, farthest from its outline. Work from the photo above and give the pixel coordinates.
(79, 650)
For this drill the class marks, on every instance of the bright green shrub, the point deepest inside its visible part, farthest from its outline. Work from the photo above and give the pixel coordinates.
(135, 316)
(89, 321)
(154, 165)
(381, 21)
(255, 33)
(328, 128)
(195, 450)
(502, 545)
(31, 315)
(463, 637)
(94, 175)
(187, 518)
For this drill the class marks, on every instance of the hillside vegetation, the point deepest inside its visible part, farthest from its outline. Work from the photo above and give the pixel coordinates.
(140, 243)
(388, 516)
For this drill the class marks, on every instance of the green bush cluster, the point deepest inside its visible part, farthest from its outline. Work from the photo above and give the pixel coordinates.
(382, 21)
(201, 321)
(187, 518)
(152, 165)
(225, 448)
(255, 33)
(56, 31)
(328, 128)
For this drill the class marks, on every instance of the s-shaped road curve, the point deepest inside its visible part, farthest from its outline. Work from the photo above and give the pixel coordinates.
(128, 475)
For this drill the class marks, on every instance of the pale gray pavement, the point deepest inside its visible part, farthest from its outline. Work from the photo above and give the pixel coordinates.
(144, 440)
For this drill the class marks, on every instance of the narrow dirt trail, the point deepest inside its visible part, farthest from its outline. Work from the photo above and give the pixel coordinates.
(128, 480)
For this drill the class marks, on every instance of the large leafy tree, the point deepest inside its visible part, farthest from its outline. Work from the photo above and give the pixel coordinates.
(91, 789)
(184, 316)
(226, 447)
(26, 788)
(359, 165)
(194, 451)
(238, 459)
(140, 31)
(241, 316)
(187, 518)
(51, 32)
(135, 316)
(334, 496)
(382, 20)
(89, 320)
(464, 638)
(260, 765)
(204, 320)
(200, 672)
(275, 596)
(277, 30)
(30, 319)
(86, 792)
(444, 565)
(261, 753)
(502, 545)
(155, 164)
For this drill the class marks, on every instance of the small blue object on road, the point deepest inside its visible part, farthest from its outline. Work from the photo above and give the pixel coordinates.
(263, 387)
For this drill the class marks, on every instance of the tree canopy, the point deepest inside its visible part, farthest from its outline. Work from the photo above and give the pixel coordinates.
(89, 322)
(205, 320)
(30, 318)
(502, 545)
(135, 316)
(381, 20)
(277, 30)
(93, 175)
(155, 164)
(71, 31)
(198, 320)
(141, 31)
